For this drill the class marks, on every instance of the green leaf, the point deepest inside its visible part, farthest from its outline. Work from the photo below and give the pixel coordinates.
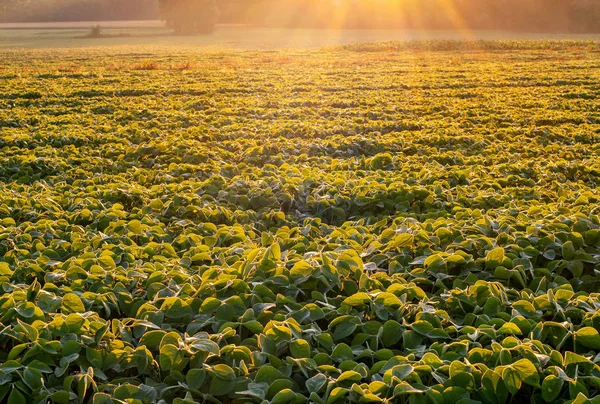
(71, 303)
(349, 375)
(63, 397)
(224, 372)
(5, 269)
(492, 306)
(254, 326)
(176, 308)
(16, 397)
(279, 385)
(283, 397)
(337, 394)
(551, 388)
(422, 327)
(510, 328)
(152, 338)
(195, 378)
(268, 374)
(388, 300)
(135, 226)
(33, 378)
(494, 258)
(345, 328)
(460, 375)
(512, 380)
(206, 345)
(573, 359)
(527, 372)
(357, 299)
(26, 309)
(402, 240)
(568, 250)
(31, 332)
(170, 358)
(433, 262)
(524, 308)
(588, 337)
(391, 333)
(402, 371)
(316, 383)
(131, 392)
(257, 390)
(301, 269)
(221, 387)
(300, 349)
(271, 257)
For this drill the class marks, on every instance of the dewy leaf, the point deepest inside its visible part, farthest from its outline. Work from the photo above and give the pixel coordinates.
(206, 345)
(402, 371)
(315, 383)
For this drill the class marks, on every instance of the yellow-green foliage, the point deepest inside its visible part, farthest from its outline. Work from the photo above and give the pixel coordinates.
(397, 225)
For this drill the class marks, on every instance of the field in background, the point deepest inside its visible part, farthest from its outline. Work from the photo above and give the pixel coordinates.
(397, 222)
(82, 25)
(136, 33)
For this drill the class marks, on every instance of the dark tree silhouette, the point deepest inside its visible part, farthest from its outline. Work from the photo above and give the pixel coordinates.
(189, 16)
(200, 16)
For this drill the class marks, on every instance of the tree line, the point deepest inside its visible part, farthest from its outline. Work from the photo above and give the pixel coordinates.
(77, 10)
(576, 16)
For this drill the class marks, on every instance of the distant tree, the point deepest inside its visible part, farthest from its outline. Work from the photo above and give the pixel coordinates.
(189, 16)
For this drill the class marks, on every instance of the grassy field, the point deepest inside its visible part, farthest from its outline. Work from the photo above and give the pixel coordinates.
(153, 33)
(411, 222)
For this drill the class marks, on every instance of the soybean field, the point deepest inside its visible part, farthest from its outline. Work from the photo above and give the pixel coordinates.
(399, 222)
